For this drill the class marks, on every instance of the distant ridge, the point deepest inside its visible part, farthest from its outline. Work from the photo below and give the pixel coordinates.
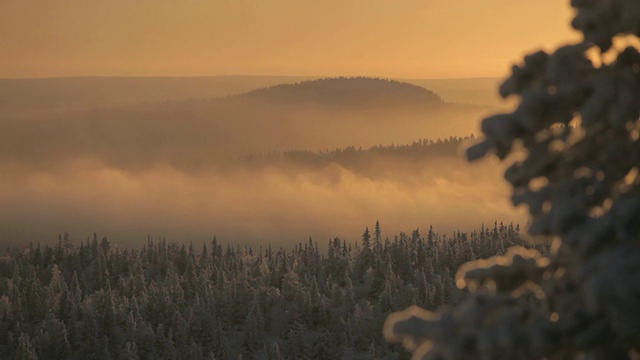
(28, 97)
(348, 91)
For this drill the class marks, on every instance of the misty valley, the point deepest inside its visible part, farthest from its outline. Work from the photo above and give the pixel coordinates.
(282, 174)
(276, 164)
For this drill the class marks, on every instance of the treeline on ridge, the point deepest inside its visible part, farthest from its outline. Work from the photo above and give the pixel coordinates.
(355, 157)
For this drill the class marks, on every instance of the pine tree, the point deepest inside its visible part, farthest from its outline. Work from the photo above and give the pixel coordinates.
(577, 125)
(25, 350)
(253, 329)
(366, 240)
(194, 352)
(274, 352)
(219, 345)
(377, 238)
(130, 351)
(323, 346)
(297, 347)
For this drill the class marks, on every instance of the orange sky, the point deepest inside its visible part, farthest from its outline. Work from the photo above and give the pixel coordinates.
(394, 38)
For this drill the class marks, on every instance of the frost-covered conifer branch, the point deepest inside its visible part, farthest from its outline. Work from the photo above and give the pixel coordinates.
(577, 122)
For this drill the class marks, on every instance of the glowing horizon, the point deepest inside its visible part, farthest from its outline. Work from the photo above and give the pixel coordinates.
(409, 39)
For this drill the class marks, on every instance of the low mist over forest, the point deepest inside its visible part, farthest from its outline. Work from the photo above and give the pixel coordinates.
(251, 160)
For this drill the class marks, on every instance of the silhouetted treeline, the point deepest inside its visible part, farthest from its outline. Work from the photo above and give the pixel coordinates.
(352, 157)
(169, 301)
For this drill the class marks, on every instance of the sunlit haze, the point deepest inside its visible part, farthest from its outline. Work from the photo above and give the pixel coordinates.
(278, 179)
(403, 38)
(256, 121)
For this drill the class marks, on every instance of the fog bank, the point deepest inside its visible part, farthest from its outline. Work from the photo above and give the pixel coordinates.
(270, 205)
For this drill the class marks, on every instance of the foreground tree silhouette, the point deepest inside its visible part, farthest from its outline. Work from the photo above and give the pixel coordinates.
(577, 126)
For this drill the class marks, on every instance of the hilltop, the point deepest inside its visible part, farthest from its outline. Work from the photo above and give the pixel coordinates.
(343, 91)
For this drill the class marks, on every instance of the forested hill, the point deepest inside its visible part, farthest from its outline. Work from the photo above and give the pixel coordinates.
(311, 115)
(345, 92)
(169, 301)
(28, 97)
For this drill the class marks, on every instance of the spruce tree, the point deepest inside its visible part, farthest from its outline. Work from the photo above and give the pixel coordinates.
(25, 349)
(253, 329)
(274, 352)
(577, 131)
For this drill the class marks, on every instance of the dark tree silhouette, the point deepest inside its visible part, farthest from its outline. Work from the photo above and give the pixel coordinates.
(577, 126)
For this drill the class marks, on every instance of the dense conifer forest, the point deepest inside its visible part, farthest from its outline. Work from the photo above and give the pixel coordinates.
(361, 159)
(94, 300)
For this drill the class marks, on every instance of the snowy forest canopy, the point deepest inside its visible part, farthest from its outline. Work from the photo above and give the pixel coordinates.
(167, 300)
